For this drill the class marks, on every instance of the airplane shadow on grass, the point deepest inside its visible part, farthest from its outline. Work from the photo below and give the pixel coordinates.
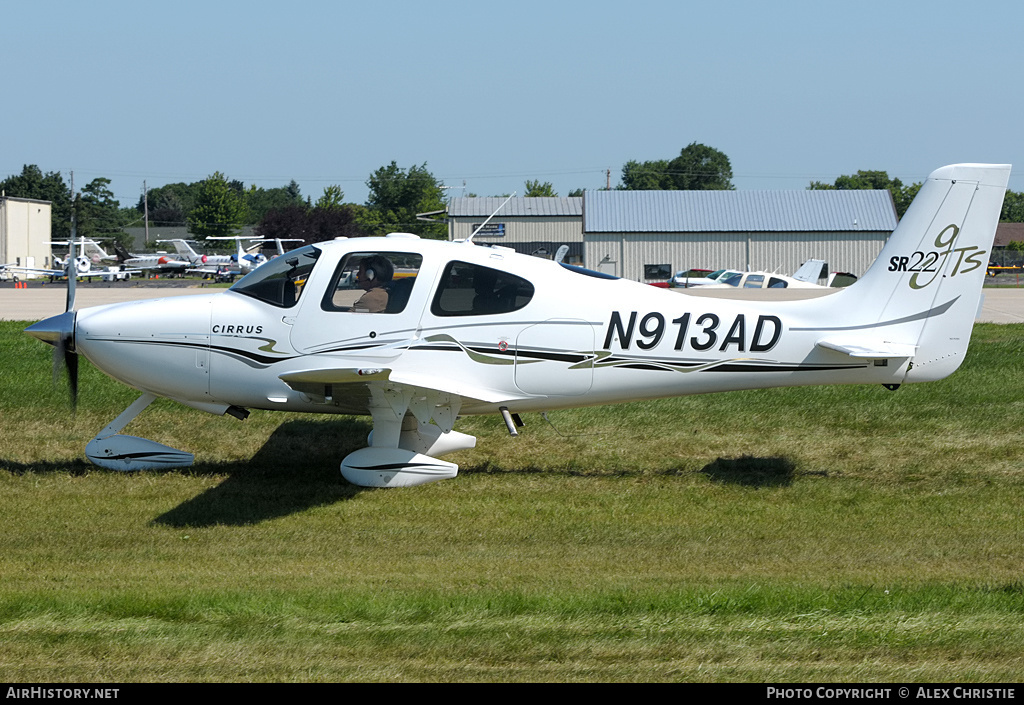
(296, 469)
(751, 471)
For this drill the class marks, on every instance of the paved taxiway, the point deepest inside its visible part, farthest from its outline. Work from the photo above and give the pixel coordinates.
(39, 300)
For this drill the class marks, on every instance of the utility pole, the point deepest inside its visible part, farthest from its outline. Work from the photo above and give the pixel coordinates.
(145, 209)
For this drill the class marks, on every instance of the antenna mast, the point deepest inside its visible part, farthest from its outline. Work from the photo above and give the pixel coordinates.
(481, 226)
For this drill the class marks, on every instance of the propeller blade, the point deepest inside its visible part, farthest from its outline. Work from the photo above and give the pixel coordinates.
(72, 276)
(71, 363)
(59, 331)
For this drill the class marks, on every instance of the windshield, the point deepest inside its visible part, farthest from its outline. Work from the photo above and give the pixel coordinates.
(280, 281)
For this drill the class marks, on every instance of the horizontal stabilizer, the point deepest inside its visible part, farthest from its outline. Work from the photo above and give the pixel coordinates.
(868, 347)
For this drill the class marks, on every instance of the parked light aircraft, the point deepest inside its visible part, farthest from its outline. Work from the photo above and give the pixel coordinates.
(483, 330)
(240, 262)
(805, 277)
(88, 264)
(159, 262)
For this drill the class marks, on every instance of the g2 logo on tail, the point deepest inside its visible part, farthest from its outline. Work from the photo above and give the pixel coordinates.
(923, 264)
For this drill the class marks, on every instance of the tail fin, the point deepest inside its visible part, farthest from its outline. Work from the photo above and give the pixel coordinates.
(811, 271)
(122, 254)
(183, 249)
(925, 287)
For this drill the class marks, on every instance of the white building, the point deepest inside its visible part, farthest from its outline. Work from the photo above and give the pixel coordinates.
(648, 235)
(529, 225)
(641, 235)
(24, 232)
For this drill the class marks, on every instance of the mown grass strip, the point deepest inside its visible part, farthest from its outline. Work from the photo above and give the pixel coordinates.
(845, 534)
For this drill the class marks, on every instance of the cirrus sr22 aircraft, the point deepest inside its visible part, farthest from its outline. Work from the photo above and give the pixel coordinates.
(415, 332)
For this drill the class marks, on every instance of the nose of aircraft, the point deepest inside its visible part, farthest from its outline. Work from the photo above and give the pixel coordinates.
(59, 331)
(55, 329)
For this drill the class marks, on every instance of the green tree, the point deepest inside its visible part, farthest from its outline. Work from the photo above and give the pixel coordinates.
(170, 204)
(260, 201)
(33, 183)
(697, 168)
(311, 224)
(536, 189)
(701, 168)
(219, 209)
(1013, 207)
(396, 195)
(646, 176)
(98, 212)
(333, 197)
(902, 196)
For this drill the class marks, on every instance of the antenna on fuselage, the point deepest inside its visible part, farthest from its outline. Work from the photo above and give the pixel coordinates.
(496, 211)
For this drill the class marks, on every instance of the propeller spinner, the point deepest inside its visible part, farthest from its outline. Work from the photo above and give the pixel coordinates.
(59, 331)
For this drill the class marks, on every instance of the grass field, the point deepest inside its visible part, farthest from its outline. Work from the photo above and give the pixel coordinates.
(821, 534)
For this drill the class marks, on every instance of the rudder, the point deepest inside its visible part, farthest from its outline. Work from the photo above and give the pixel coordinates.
(926, 284)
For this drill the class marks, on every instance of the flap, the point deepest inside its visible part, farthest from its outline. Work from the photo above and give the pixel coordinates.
(859, 346)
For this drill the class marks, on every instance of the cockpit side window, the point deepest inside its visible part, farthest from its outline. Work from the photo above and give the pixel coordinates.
(472, 290)
(281, 281)
(372, 282)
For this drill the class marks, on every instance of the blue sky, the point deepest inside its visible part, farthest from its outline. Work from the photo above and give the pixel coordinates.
(493, 94)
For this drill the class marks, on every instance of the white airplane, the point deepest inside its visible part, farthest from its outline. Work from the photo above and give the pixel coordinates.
(468, 329)
(278, 243)
(87, 265)
(242, 261)
(806, 277)
(159, 262)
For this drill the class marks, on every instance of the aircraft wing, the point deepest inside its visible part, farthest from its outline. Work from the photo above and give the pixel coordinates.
(330, 382)
(31, 270)
(102, 273)
(867, 347)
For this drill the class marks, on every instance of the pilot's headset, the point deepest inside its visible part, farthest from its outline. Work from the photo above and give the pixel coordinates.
(378, 266)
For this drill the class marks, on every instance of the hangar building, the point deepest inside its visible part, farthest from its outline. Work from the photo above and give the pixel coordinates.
(24, 232)
(648, 235)
(529, 225)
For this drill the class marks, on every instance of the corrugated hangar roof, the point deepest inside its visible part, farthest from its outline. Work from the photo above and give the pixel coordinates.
(738, 211)
(482, 207)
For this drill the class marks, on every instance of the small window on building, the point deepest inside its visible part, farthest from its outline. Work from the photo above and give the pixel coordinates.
(471, 290)
(657, 271)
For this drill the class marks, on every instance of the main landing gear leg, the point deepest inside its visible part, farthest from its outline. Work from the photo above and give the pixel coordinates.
(127, 453)
(404, 439)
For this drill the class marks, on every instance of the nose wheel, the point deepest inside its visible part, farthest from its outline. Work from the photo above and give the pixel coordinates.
(113, 451)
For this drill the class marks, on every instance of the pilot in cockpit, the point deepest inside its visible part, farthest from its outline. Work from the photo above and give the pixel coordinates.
(374, 274)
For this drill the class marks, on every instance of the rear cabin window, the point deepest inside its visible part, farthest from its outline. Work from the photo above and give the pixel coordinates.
(472, 290)
(372, 282)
